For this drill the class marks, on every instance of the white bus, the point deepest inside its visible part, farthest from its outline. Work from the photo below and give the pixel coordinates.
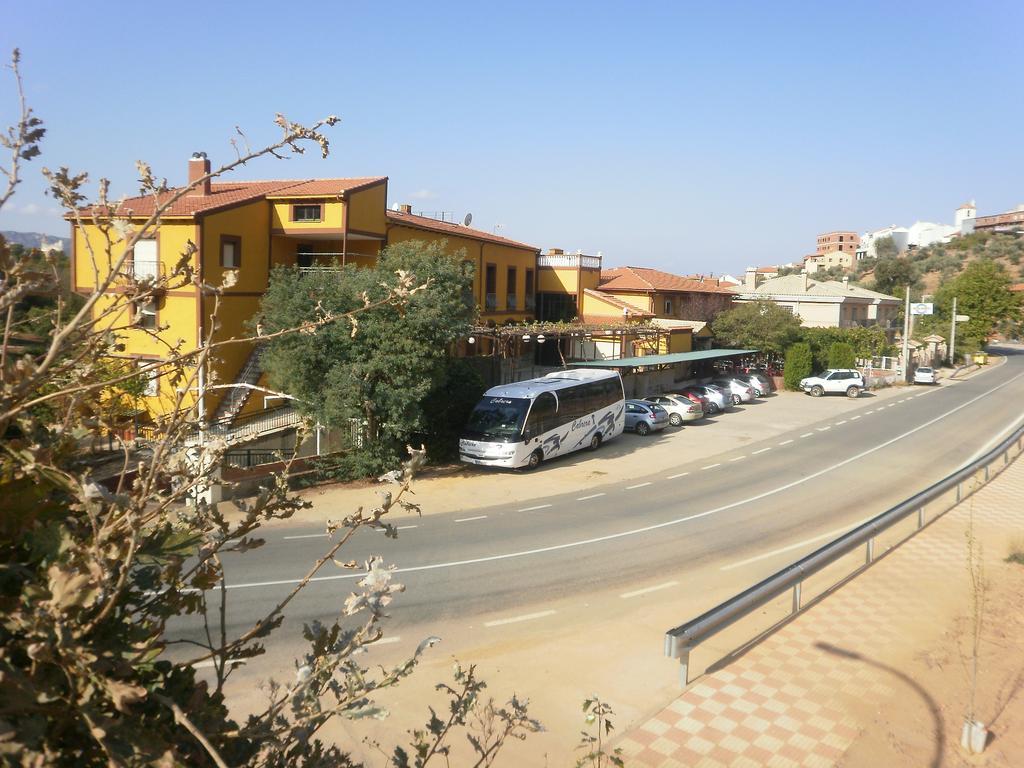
(521, 424)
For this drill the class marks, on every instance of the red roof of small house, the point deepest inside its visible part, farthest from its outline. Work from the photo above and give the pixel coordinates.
(227, 194)
(649, 280)
(627, 309)
(456, 230)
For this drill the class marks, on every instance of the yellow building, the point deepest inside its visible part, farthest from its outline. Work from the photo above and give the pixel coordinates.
(250, 227)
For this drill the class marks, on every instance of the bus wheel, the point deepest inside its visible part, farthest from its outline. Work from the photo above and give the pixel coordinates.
(535, 459)
(595, 442)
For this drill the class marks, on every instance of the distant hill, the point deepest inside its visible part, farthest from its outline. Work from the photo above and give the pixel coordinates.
(36, 239)
(942, 261)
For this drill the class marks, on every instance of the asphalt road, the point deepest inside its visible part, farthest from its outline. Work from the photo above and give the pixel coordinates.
(739, 515)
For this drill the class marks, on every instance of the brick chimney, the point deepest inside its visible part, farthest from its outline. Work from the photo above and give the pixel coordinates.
(555, 251)
(198, 166)
(405, 208)
(750, 279)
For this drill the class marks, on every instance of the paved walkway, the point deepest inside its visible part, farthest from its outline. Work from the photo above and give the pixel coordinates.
(805, 694)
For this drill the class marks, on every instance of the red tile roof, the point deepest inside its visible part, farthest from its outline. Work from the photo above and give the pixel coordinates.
(644, 279)
(630, 310)
(227, 194)
(456, 230)
(328, 187)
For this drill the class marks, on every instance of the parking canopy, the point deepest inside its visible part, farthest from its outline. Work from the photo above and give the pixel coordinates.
(669, 359)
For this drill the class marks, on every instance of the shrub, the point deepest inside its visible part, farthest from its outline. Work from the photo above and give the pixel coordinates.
(840, 355)
(798, 365)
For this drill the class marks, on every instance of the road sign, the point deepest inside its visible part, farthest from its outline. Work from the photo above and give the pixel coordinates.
(921, 309)
(962, 318)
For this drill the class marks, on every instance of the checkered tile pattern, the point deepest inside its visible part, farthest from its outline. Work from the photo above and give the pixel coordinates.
(791, 703)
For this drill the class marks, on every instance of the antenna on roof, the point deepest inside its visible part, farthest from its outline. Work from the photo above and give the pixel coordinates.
(468, 220)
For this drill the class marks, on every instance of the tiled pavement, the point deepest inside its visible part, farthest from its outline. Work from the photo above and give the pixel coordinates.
(790, 702)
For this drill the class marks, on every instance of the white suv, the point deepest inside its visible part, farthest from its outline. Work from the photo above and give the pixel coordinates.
(845, 380)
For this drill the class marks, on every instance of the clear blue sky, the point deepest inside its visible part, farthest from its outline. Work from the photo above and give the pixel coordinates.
(689, 137)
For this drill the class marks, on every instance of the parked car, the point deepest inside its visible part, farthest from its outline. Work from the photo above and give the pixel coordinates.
(680, 408)
(761, 385)
(643, 417)
(847, 381)
(738, 391)
(924, 375)
(694, 396)
(717, 398)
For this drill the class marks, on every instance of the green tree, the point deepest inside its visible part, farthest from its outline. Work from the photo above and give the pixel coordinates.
(841, 355)
(885, 248)
(379, 376)
(761, 325)
(983, 293)
(447, 406)
(866, 342)
(894, 274)
(799, 365)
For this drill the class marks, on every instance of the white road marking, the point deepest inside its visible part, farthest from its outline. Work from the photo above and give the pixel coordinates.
(478, 517)
(807, 434)
(638, 592)
(761, 451)
(308, 536)
(824, 429)
(638, 485)
(534, 509)
(673, 477)
(840, 423)
(890, 405)
(591, 496)
(995, 440)
(738, 458)
(654, 526)
(208, 664)
(785, 442)
(712, 466)
(397, 528)
(798, 545)
(386, 641)
(514, 619)
(854, 418)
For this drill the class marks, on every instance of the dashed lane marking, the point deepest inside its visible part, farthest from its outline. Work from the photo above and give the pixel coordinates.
(514, 619)
(840, 423)
(854, 418)
(785, 442)
(712, 466)
(638, 485)
(824, 429)
(479, 517)
(761, 451)
(807, 434)
(591, 496)
(648, 590)
(385, 641)
(308, 536)
(673, 477)
(533, 509)
(647, 528)
(738, 458)
(397, 528)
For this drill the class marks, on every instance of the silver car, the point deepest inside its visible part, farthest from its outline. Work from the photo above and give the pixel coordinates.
(643, 417)
(679, 408)
(738, 391)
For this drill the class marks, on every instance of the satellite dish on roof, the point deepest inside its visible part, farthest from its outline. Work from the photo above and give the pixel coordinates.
(468, 220)
(395, 207)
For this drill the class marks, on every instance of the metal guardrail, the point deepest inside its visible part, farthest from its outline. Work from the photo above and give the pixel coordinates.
(681, 640)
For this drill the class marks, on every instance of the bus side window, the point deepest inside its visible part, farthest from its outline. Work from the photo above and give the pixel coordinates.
(542, 415)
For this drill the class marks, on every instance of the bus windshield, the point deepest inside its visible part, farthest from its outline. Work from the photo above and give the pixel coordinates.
(497, 418)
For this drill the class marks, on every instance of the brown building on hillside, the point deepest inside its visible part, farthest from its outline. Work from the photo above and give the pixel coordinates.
(830, 242)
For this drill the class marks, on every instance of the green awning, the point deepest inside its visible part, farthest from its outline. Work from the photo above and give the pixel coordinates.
(669, 359)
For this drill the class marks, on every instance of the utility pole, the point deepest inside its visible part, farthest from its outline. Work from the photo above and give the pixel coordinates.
(952, 337)
(906, 338)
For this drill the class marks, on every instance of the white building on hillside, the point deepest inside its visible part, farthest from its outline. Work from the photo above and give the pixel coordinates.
(824, 303)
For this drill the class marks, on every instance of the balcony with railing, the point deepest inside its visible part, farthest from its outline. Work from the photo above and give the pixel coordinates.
(491, 302)
(569, 261)
(510, 301)
(142, 269)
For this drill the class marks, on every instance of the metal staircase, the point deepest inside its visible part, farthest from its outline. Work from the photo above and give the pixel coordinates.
(237, 397)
